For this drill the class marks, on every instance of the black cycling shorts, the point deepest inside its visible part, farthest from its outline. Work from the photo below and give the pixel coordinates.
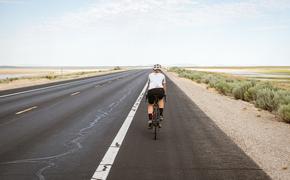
(158, 92)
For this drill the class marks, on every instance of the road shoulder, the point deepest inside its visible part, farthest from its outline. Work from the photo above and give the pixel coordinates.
(257, 133)
(42, 80)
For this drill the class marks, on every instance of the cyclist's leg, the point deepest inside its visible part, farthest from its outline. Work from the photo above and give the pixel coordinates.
(150, 107)
(150, 115)
(161, 107)
(161, 103)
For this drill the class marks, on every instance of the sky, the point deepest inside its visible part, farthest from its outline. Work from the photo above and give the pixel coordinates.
(144, 32)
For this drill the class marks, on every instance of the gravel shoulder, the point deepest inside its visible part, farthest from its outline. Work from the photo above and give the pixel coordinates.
(260, 134)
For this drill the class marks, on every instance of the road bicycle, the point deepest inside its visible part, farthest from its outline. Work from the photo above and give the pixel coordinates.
(156, 116)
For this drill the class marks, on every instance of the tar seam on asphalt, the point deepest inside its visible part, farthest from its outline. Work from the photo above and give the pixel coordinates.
(50, 160)
(107, 161)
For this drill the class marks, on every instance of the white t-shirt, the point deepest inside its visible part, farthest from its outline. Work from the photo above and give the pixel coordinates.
(156, 80)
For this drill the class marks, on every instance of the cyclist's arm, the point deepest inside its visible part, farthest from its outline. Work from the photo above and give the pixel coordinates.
(164, 86)
(148, 82)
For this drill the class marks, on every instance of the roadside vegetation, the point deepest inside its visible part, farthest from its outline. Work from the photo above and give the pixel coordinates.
(117, 68)
(57, 76)
(264, 94)
(50, 76)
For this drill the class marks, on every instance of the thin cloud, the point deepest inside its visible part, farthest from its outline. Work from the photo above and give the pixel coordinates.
(180, 12)
(11, 2)
(271, 28)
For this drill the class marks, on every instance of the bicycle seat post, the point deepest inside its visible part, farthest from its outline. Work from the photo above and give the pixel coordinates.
(155, 99)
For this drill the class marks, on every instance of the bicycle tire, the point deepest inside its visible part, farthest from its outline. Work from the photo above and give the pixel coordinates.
(155, 123)
(156, 117)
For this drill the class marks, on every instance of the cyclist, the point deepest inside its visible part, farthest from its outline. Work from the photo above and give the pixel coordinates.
(156, 87)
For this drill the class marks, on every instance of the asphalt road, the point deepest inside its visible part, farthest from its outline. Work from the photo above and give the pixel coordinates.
(63, 131)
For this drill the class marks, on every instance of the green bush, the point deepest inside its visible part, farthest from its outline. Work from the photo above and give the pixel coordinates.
(184, 74)
(213, 81)
(176, 69)
(223, 87)
(195, 77)
(265, 99)
(240, 89)
(251, 93)
(205, 79)
(282, 97)
(284, 112)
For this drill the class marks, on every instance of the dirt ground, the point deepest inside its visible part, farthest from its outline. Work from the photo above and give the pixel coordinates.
(260, 134)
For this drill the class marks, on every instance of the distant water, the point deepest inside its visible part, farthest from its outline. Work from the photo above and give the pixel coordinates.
(243, 72)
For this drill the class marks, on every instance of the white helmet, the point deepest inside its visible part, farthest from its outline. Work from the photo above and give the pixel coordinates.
(157, 67)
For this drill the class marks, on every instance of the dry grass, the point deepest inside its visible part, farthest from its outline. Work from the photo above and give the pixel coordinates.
(42, 77)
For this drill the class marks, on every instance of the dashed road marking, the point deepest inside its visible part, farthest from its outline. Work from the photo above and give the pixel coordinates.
(76, 93)
(26, 110)
(105, 166)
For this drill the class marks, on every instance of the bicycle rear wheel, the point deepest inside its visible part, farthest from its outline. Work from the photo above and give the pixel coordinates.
(155, 122)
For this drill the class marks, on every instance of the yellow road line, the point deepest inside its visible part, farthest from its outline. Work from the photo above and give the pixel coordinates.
(76, 93)
(29, 109)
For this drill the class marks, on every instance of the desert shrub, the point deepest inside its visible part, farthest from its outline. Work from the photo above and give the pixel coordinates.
(262, 93)
(195, 77)
(265, 99)
(81, 73)
(223, 87)
(50, 76)
(240, 89)
(213, 82)
(284, 112)
(230, 80)
(177, 70)
(282, 97)
(185, 74)
(8, 80)
(173, 69)
(251, 93)
(205, 79)
(117, 68)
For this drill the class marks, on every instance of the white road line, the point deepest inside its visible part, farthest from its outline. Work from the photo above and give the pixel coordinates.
(104, 167)
(76, 93)
(38, 89)
(29, 109)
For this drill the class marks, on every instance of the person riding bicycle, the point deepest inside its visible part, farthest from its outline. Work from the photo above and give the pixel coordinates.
(156, 88)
